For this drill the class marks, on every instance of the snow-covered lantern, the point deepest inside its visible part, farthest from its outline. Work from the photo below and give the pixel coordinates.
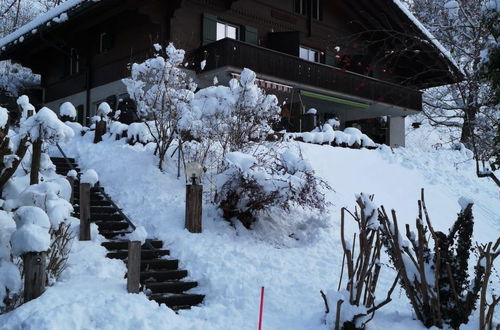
(194, 172)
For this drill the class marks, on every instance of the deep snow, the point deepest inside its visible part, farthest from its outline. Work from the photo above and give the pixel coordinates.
(293, 256)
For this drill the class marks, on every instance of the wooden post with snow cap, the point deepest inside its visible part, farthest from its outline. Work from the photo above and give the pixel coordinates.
(100, 130)
(194, 193)
(34, 274)
(88, 179)
(134, 267)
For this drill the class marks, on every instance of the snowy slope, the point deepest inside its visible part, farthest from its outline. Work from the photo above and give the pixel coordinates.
(232, 264)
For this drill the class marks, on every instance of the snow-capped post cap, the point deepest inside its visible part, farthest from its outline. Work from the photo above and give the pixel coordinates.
(465, 202)
(72, 174)
(67, 109)
(104, 109)
(89, 176)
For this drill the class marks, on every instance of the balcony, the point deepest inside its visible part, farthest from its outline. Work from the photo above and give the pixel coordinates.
(239, 55)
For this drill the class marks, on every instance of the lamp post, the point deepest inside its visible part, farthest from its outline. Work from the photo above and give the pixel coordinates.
(194, 192)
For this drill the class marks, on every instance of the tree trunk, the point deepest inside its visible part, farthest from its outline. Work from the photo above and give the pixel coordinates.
(8, 173)
(468, 127)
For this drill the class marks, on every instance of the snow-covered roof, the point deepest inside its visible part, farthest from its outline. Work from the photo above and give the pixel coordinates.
(426, 32)
(54, 16)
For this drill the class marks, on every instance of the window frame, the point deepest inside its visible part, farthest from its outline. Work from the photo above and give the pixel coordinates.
(226, 25)
(310, 50)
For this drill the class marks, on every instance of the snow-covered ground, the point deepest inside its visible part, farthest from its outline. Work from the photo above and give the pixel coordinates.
(293, 256)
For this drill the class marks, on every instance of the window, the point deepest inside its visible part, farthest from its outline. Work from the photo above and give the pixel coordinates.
(300, 7)
(309, 54)
(105, 40)
(226, 30)
(74, 62)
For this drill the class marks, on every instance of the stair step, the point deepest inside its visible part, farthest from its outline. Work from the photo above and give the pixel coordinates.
(178, 301)
(62, 159)
(163, 275)
(165, 264)
(145, 254)
(106, 217)
(170, 286)
(112, 225)
(112, 234)
(123, 244)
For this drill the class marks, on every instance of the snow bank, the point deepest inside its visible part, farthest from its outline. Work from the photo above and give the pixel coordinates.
(243, 161)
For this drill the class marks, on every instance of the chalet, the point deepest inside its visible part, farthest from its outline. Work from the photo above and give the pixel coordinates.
(355, 60)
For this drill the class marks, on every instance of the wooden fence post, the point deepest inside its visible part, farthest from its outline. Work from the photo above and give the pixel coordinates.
(34, 274)
(85, 211)
(134, 266)
(71, 181)
(100, 130)
(35, 161)
(194, 193)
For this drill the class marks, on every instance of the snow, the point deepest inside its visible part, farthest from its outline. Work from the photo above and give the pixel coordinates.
(89, 176)
(30, 238)
(350, 136)
(426, 32)
(68, 109)
(24, 102)
(139, 234)
(452, 8)
(104, 109)
(464, 202)
(30, 215)
(312, 111)
(72, 174)
(7, 227)
(10, 279)
(203, 64)
(57, 13)
(242, 161)
(4, 117)
(45, 124)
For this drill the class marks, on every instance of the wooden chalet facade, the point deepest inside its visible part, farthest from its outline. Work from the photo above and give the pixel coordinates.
(328, 54)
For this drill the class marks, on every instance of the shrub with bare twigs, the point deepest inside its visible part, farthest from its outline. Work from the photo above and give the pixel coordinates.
(433, 266)
(363, 270)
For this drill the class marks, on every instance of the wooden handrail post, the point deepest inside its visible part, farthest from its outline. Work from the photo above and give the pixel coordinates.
(194, 194)
(134, 266)
(71, 181)
(85, 211)
(100, 130)
(34, 274)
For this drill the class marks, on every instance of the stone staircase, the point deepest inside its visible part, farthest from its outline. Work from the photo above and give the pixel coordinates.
(161, 278)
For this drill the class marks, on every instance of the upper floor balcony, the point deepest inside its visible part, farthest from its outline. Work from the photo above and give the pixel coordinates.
(292, 70)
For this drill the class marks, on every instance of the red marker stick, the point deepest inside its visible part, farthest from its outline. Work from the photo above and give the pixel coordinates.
(261, 307)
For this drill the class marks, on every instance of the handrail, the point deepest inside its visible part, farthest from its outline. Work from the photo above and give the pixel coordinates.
(101, 190)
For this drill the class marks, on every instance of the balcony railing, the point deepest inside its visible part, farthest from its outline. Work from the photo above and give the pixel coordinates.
(237, 54)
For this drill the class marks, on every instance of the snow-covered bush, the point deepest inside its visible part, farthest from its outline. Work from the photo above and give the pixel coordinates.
(162, 92)
(433, 266)
(250, 186)
(233, 118)
(14, 77)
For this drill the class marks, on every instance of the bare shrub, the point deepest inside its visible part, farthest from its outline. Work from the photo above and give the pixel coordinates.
(433, 266)
(57, 255)
(363, 269)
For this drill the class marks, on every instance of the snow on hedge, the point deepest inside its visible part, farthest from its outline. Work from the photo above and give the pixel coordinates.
(67, 109)
(45, 125)
(10, 279)
(350, 137)
(24, 102)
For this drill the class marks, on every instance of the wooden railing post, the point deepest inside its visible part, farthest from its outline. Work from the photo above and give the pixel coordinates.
(34, 274)
(85, 211)
(134, 266)
(100, 130)
(194, 194)
(71, 181)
